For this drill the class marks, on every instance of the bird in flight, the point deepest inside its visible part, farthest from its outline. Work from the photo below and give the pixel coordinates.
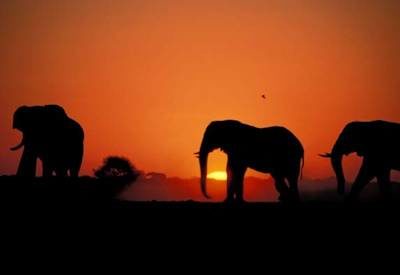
(263, 96)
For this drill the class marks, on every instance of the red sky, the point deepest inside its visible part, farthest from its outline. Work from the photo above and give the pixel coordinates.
(145, 78)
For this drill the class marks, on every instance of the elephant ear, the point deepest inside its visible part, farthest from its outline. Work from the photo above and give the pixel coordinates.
(53, 116)
(353, 139)
(361, 150)
(364, 140)
(55, 112)
(21, 117)
(55, 109)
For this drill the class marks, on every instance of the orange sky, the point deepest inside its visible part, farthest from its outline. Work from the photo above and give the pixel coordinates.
(144, 78)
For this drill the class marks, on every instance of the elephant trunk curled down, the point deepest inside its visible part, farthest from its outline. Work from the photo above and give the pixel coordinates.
(273, 150)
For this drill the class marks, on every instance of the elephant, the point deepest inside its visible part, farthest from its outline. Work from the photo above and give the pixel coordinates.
(51, 136)
(273, 150)
(378, 143)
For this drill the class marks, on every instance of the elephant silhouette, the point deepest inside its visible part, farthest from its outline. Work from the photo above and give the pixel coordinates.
(378, 143)
(273, 150)
(51, 136)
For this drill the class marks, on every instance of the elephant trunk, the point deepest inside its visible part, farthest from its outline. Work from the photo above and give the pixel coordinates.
(27, 164)
(336, 160)
(203, 159)
(203, 170)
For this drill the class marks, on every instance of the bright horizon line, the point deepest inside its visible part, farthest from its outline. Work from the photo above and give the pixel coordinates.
(263, 177)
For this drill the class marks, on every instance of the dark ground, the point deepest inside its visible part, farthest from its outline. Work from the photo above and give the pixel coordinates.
(69, 216)
(93, 193)
(89, 199)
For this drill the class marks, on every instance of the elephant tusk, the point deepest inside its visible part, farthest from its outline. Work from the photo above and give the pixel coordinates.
(15, 148)
(326, 155)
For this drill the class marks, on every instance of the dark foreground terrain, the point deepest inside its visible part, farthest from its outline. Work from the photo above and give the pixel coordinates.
(82, 201)
(87, 210)
(84, 217)
(93, 196)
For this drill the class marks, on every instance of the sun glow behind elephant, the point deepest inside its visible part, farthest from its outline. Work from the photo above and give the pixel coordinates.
(217, 175)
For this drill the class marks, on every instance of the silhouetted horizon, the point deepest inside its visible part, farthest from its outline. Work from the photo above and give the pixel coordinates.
(262, 89)
(146, 88)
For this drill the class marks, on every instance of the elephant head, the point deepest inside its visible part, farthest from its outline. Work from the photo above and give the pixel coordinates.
(35, 123)
(30, 120)
(20, 122)
(217, 136)
(351, 140)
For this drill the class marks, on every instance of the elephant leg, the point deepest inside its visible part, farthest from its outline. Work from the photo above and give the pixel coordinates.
(229, 184)
(47, 170)
(27, 164)
(238, 180)
(235, 172)
(281, 187)
(238, 187)
(293, 187)
(74, 172)
(293, 178)
(61, 172)
(74, 160)
(75, 167)
(385, 185)
(365, 175)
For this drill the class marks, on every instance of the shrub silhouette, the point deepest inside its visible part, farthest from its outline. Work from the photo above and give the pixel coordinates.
(115, 167)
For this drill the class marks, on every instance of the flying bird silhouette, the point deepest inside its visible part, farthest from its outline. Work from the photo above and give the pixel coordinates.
(263, 96)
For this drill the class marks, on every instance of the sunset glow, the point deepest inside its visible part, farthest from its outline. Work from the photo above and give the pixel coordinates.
(217, 175)
(144, 78)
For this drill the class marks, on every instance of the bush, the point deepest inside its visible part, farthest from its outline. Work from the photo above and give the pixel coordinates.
(117, 168)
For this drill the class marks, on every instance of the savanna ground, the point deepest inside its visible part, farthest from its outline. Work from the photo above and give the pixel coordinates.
(104, 194)
(88, 209)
